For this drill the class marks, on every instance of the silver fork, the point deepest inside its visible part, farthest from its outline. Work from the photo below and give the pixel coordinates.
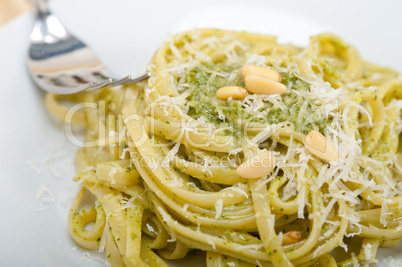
(61, 63)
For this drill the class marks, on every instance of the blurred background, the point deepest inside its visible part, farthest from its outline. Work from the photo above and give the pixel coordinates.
(373, 26)
(11, 8)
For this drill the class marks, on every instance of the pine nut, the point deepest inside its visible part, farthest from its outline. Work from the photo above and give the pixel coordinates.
(234, 92)
(320, 146)
(259, 85)
(291, 238)
(262, 72)
(257, 166)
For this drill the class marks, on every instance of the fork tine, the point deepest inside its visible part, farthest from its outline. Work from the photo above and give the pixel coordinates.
(100, 84)
(91, 85)
(81, 88)
(121, 81)
(129, 79)
(141, 78)
(84, 87)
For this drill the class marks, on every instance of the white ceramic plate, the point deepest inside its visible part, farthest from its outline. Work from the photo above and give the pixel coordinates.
(125, 33)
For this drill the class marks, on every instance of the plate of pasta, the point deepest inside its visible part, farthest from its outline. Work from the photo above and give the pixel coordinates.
(249, 145)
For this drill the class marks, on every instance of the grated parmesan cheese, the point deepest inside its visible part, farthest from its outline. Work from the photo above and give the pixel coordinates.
(237, 189)
(210, 242)
(391, 262)
(44, 194)
(251, 246)
(33, 165)
(185, 207)
(343, 245)
(170, 155)
(367, 251)
(280, 237)
(384, 214)
(87, 256)
(104, 235)
(355, 260)
(218, 208)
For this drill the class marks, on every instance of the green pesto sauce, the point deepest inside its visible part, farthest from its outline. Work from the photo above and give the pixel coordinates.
(204, 89)
(203, 101)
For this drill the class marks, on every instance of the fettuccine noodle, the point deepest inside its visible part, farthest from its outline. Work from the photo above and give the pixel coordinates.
(161, 157)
